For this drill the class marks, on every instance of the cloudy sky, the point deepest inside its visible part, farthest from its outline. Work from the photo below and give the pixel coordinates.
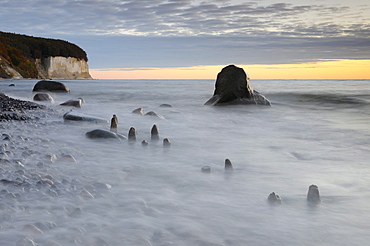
(146, 38)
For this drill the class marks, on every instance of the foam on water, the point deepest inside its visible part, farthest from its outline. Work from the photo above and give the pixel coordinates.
(121, 193)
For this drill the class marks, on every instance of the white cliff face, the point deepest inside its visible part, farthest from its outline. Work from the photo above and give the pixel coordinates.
(63, 68)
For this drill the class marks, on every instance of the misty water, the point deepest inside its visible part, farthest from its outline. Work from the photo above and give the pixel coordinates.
(121, 193)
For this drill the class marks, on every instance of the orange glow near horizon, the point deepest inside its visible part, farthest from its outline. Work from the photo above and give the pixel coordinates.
(323, 69)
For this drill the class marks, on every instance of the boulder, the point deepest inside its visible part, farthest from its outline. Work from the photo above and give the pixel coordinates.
(43, 97)
(47, 85)
(73, 102)
(233, 87)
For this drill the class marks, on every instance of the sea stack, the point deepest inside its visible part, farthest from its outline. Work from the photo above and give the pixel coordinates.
(233, 87)
(313, 194)
(154, 133)
(114, 124)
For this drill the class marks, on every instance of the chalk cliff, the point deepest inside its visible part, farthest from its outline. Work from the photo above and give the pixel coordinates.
(23, 56)
(60, 67)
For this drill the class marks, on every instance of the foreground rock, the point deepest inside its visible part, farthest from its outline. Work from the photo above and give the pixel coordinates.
(47, 85)
(233, 87)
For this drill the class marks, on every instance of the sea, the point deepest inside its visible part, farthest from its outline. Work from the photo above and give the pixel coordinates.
(112, 192)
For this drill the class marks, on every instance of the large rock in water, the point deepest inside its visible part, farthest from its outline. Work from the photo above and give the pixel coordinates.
(233, 87)
(47, 85)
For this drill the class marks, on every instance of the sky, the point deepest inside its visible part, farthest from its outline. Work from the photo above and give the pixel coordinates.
(185, 39)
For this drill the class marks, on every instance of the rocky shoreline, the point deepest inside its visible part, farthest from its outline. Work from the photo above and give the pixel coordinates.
(15, 109)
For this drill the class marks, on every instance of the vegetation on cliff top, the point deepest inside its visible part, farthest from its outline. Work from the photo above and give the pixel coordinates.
(21, 51)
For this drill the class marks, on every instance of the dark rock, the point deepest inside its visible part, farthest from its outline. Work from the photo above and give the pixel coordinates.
(166, 142)
(165, 105)
(132, 134)
(114, 124)
(144, 143)
(233, 87)
(12, 85)
(98, 133)
(47, 85)
(44, 97)
(313, 194)
(154, 133)
(228, 165)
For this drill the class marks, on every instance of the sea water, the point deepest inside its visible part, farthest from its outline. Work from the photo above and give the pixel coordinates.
(122, 193)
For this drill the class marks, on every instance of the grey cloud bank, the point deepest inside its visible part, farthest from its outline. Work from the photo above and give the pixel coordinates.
(161, 33)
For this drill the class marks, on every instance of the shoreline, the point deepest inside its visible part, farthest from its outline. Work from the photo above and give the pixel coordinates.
(15, 109)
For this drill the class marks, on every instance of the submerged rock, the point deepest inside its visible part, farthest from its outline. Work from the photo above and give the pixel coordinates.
(166, 142)
(79, 117)
(138, 111)
(313, 194)
(47, 85)
(99, 133)
(154, 114)
(274, 198)
(67, 158)
(206, 169)
(233, 87)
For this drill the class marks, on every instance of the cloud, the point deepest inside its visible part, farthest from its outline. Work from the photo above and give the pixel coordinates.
(162, 18)
(155, 33)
